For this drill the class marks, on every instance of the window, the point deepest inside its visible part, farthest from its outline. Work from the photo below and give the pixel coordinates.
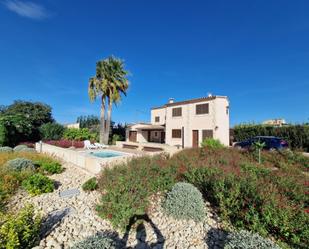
(202, 109)
(177, 112)
(176, 133)
(227, 110)
(207, 134)
(157, 119)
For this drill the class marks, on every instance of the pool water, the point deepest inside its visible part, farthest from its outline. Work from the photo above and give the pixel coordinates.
(106, 154)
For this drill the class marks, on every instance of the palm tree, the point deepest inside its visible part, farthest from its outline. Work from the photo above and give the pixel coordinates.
(109, 83)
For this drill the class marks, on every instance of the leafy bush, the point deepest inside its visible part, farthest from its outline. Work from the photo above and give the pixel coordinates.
(38, 184)
(268, 198)
(90, 184)
(6, 149)
(28, 144)
(23, 120)
(20, 230)
(248, 240)
(19, 164)
(20, 147)
(13, 129)
(184, 201)
(63, 143)
(234, 187)
(51, 167)
(116, 138)
(296, 135)
(98, 242)
(212, 143)
(79, 134)
(11, 180)
(127, 188)
(28, 150)
(51, 131)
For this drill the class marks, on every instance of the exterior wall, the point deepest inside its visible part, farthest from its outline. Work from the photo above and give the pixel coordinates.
(73, 125)
(222, 121)
(141, 136)
(216, 120)
(155, 136)
(158, 113)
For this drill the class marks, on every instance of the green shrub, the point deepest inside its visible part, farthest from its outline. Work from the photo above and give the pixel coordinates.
(20, 147)
(90, 184)
(184, 201)
(98, 242)
(6, 149)
(51, 167)
(38, 184)
(19, 164)
(248, 240)
(212, 143)
(51, 131)
(32, 150)
(296, 135)
(268, 198)
(235, 189)
(127, 188)
(117, 137)
(21, 230)
(79, 134)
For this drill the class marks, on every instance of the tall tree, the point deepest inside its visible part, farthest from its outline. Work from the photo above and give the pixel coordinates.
(109, 83)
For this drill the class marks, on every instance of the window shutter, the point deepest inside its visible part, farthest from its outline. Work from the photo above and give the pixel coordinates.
(202, 109)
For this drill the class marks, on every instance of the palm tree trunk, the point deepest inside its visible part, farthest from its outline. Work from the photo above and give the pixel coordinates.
(102, 121)
(108, 120)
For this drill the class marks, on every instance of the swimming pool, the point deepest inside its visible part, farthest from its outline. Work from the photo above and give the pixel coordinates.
(106, 154)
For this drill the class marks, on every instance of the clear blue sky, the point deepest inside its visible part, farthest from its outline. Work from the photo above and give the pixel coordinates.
(256, 52)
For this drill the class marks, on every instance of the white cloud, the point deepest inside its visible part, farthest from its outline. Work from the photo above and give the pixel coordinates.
(27, 9)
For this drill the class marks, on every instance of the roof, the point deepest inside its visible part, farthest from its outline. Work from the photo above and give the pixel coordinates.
(190, 101)
(143, 126)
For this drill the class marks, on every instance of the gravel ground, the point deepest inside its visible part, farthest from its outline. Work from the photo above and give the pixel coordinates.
(69, 220)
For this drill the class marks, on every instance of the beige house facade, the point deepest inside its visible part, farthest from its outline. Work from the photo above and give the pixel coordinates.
(185, 124)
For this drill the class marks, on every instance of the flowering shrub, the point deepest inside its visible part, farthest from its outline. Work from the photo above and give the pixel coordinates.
(268, 198)
(184, 201)
(248, 240)
(127, 188)
(66, 143)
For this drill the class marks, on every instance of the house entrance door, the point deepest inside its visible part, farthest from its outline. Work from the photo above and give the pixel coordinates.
(195, 138)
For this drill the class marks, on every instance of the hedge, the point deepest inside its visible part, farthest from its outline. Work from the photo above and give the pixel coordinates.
(296, 135)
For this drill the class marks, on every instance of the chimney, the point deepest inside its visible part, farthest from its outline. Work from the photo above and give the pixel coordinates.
(171, 100)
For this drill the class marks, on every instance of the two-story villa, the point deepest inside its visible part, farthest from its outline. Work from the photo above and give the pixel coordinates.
(186, 123)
